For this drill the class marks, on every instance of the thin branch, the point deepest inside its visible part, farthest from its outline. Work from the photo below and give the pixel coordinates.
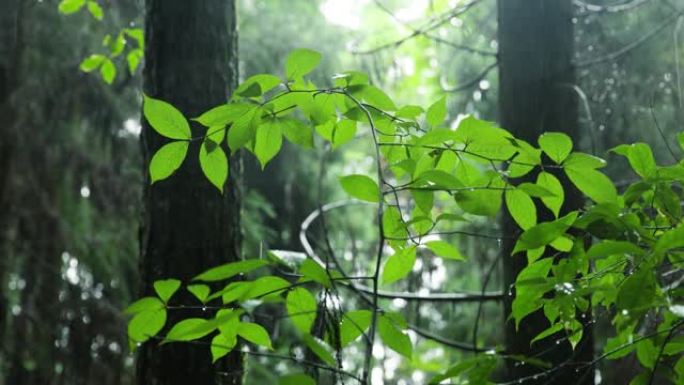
(444, 341)
(470, 83)
(615, 8)
(430, 36)
(408, 296)
(660, 130)
(633, 45)
(429, 26)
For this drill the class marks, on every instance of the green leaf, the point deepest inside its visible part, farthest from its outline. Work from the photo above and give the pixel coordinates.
(361, 187)
(221, 345)
(579, 160)
(146, 324)
(267, 287)
(224, 114)
(562, 243)
(167, 160)
(343, 132)
(300, 62)
(296, 379)
(551, 183)
(593, 184)
(166, 288)
(608, 247)
(320, 349)
(377, 98)
(437, 112)
(264, 83)
(232, 291)
(144, 304)
(437, 136)
(108, 71)
(399, 265)
(310, 269)
(444, 249)
(638, 292)
(535, 190)
(521, 207)
(354, 324)
(439, 179)
(229, 270)
(409, 112)
(530, 288)
(297, 132)
(244, 128)
(670, 239)
(555, 328)
(92, 62)
(255, 334)
(133, 59)
(485, 196)
(394, 338)
(118, 45)
(544, 233)
(68, 7)
(680, 140)
(190, 329)
(556, 145)
(201, 292)
(640, 158)
(95, 10)
(301, 307)
(165, 119)
(214, 163)
(269, 139)
(136, 34)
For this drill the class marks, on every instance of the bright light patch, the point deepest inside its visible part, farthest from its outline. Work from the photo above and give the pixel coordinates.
(346, 13)
(131, 127)
(85, 191)
(416, 10)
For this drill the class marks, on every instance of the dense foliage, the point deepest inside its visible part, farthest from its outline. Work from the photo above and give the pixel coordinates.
(613, 257)
(408, 261)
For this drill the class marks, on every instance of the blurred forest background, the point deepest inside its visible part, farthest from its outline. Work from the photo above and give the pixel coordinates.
(71, 168)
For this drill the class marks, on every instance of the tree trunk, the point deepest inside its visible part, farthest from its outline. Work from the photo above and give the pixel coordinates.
(536, 73)
(188, 226)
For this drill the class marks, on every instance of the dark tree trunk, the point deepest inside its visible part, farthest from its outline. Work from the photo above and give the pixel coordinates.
(188, 226)
(536, 74)
(9, 57)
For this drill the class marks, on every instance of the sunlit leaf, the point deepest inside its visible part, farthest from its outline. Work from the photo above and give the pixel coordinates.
(146, 324)
(437, 112)
(269, 139)
(201, 292)
(556, 145)
(255, 334)
(301, 307)
(167, 160)
(165, 288)
(229, 270)
(521, 207)
(354, 324)
(361, 187)
(394, 338)
(165, 119)
(300, 62)
(399, 265)
(444, 249)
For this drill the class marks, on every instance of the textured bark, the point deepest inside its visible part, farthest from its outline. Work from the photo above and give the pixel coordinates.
(188, 226)
(536, 71)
